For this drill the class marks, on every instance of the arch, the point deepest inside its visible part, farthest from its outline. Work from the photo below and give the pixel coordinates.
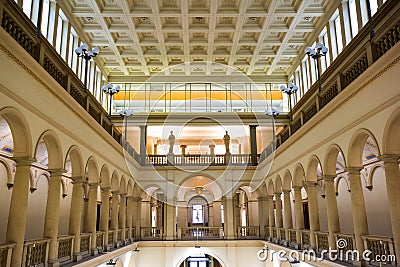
(92, 171)
(193, 181)
(53, 147)
(270, 187)
(331, 158)
(75, 156)
(299, 175)
(9, 178)
(287, 180)
(123, 185)
(129, 190)
(105, 177)
(277, 182)
(20, 131)
(115, 182)
(312, 169)
(391, 140)
(207, 252)
(356, 147)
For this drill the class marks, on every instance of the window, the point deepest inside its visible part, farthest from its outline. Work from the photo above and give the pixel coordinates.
(45, 19)
(198, 216)
(338, 31)
(374, 6)
(353, 17)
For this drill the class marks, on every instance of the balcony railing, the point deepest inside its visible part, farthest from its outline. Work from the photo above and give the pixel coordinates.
(194, 233)
(305, 239)
(151, 233)
(292, 234)
(248, 232)
(100, 240)
(111, 242)
(85, 244)
(35, 252)
(201, 160)
(322, 239)
(65, 245)
(5, 254)
(381, 247)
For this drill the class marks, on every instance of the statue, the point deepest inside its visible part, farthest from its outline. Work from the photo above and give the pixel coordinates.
(171, 139)
(227, 139)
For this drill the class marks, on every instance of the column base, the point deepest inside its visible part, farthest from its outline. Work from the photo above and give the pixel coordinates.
(77, 256)
(53, 263)
(94, 251)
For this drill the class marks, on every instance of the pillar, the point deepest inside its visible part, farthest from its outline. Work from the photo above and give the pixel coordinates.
(262, 214)
(129, 216)
(271, 215)
(137, 215)
(331, 209)
(298, 211)
(143, 141)
(358, 207)
(75, 217)
(92, 216)
(253, 144)
(392, 174)
(182, 214)
(229, 218)
(105, 213)
(18, 209)
(183, 149)
(170, 219)
(53, 214)
(313, 211)
(279, 217)
(287, 209)
(216, 210)
(212, 150)
(114, 214)
(122, 215)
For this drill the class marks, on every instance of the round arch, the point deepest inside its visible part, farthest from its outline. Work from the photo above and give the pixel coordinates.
(105, 177)
(391, 140)
(207, 252)
(92, 171)
(330, 159)
(75, 156)
(356, 147)
(20, 131)
(53, 147)
(277, 183)
(287, 181)
(299, 175)
(312, 169)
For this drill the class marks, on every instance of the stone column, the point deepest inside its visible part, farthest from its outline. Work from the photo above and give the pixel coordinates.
(18, 209)
(143, 141)
(122, 215)
(253, 144)
(287, 209)
(170, 220)
(313, 211)
(75, 217)
(216, 210)
(392, 174)
(114, 214)
(331, 209)
(262, 214)
(271, 215)
(358, 207)
(298, 211)
(212, 150)
(229, 218)
(129, 216)
(279, 217)
(53, 214)
(137, 215)
(105, 213)
(92, 215)
(182, 214)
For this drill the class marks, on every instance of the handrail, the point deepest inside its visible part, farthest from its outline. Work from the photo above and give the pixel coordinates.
(35, 252)
(5, 254)
(203, 232)
(65, 246)
(248, 232)
(151, 233)
(201, 160)
(382, 246)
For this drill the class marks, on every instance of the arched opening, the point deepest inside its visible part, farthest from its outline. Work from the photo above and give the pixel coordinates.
(198, 211)
(201, 260)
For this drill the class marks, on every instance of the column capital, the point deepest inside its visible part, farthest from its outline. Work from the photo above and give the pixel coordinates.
(56, 172)
(311, 183)
(93, 185)
(78, 180)
(353, 170)
(328, 177)
(137, 199)
(277, 194)
(23, 161)
(105, 189)
(390, 158)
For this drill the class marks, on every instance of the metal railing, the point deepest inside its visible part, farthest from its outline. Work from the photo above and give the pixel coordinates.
(35, 252)
(151, 233)
(65, 248)
(193, 233)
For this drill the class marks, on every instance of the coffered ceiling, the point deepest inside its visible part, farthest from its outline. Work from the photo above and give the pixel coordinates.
(143, 37)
